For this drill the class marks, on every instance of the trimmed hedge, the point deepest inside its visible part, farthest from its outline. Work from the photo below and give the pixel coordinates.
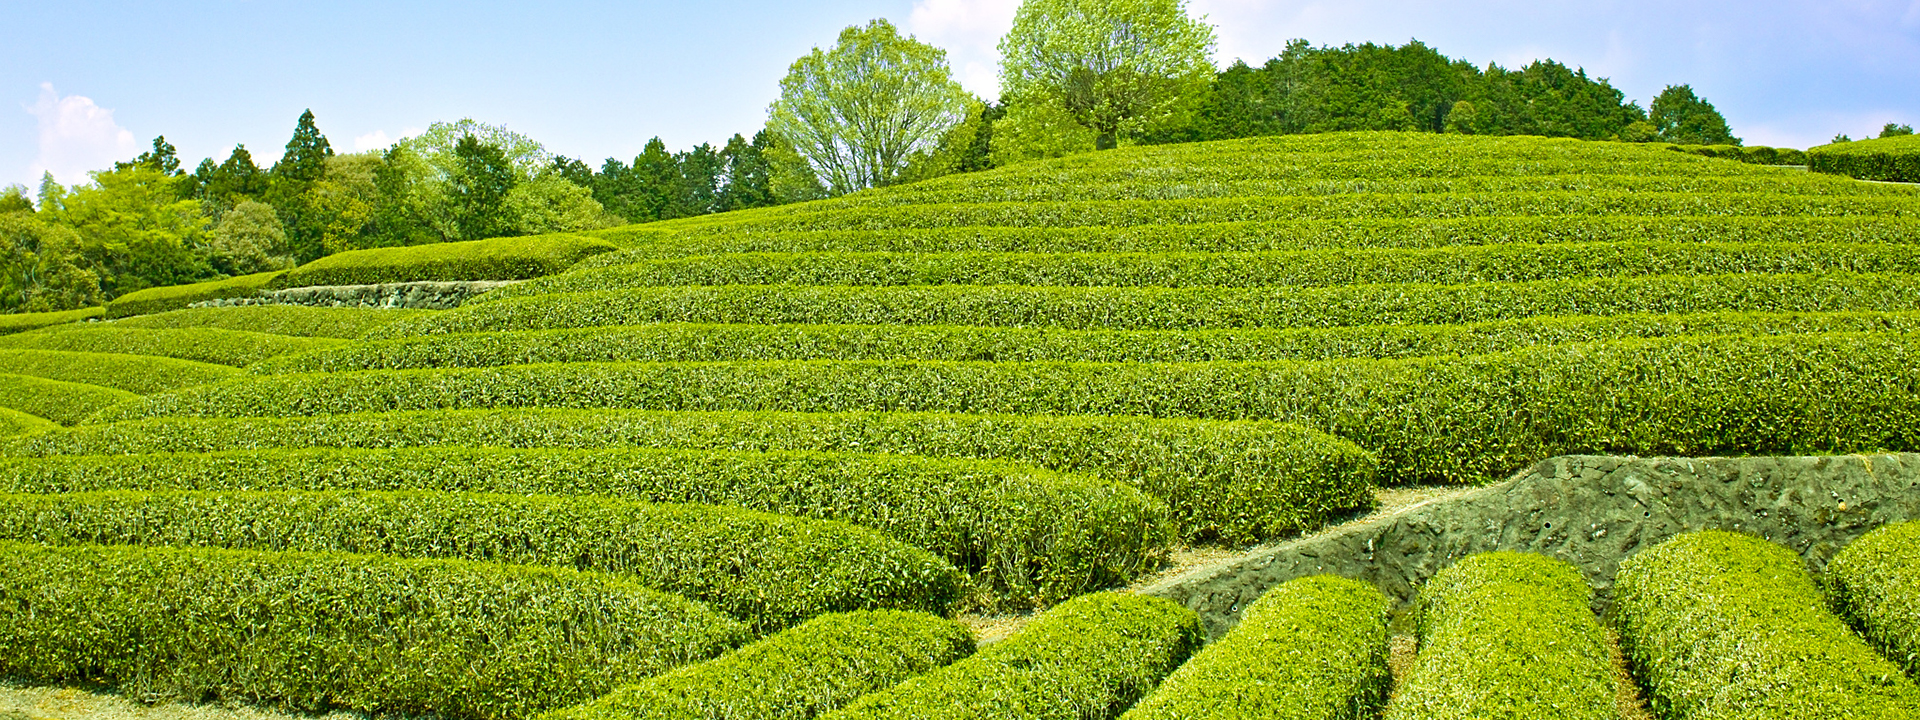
(13, 422)
(1314, 648)
(1508, 634)
(316, 631)
(293, 320)
(1236, 481)
(1311, 268)
(174, 297)
(675, 342)
(1088, 658)
(795, 675)
(1750, 154)
(1875, 581)
(1894, 159)
(138, 374)
(1724, 625)
(1029, 536)
(1286, 235)
(1428, 420)
(1148, 308)
(66, 403)
(770, 571)
(22, 322)
(512, 258)
(209, 345)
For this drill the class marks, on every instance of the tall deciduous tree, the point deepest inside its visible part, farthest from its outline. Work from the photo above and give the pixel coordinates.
(856, 114)
(1683, 117)
(1112, 64)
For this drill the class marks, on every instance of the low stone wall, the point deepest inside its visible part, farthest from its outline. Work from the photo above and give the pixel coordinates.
(414, 295)
(1588, 510)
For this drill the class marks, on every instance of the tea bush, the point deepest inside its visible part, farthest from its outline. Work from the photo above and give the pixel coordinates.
(236, 348)
(1894, 159)
(294, 320)
(66, 403)
(13, 422)
(138, 374)
(174, 297)
(22, 322)
(513, 258)
(1875, 581)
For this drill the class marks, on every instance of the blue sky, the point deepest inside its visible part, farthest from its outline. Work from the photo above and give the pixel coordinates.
(83, 83)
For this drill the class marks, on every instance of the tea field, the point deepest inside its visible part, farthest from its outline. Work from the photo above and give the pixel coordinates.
(753, 465)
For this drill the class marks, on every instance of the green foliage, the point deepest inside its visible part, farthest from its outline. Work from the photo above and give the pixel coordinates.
(498, 259)
(134, 230)
(1752, 154)
(175, 297)
(316, 631)
(1895, 130)
(477, 189)
(1125, 65)
(673, 342)
(1684, 118)
(860, 111)
(1723, 625)
(1239, 481)
(248, 239)
(208, 345)
(1429, 420)
(13, 422)
(290, 320)
(66, 403)
(140, 374)
(1027, 535)
(1157, 308)
(42, 269)
(1314, 648)
(1893, 159)
(770, 571)
(1875, 583)
(797, 674)
(1508, 635)
(22, 322)
(1087, 658)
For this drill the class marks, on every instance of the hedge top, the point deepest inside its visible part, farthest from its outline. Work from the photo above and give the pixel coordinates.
(514, 258)
(175, 297)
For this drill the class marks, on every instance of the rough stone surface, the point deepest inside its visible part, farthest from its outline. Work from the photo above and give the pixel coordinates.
(1591, 511)
(413, 295)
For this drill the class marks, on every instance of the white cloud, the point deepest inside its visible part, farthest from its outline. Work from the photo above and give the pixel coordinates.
(376, 140)
(77, 136)
(969, 30)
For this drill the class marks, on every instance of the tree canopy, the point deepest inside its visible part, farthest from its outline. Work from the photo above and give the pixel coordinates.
(1110, 64)
(1685, 118)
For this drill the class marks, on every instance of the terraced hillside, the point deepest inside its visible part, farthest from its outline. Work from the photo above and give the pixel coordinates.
(1000, 392)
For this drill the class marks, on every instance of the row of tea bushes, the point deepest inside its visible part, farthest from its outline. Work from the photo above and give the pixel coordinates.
(514, 258)
(799, 673)
(1281, 236)
(1235, 481)
(681, 342)
(236, 348)
(174, 297)
(62, 402)
(1875, 581)
(1893, 159)
(13, 422)
(770, 571)
(22, 322)
(315, 631)
(1026, 535)
(1308, 268)
(1750, 154)
(1441, 419)
(138, 374)
(291, 320)
(1147, 308)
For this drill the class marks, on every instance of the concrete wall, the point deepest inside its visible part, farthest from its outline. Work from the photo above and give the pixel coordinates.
(1588, 510)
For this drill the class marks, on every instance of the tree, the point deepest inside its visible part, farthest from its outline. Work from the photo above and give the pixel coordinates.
(14, 200)
(749, 178)
(134, 230)
(478, 190)
(307, 153)
(526, 156)
(1111, 64)
(291, 179)
(1687, 119)
(247, 240)
(1892, 130)
(855, 114)
(39, 266)
(236, 178)
(163, 157)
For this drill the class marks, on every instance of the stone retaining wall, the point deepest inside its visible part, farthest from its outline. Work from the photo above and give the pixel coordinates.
(1588, 510)
(414, 295)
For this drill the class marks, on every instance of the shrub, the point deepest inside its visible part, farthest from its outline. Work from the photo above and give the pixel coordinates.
(1314, 648)
(293, 320)
(1875, 582)
(1508, 635)
(13, 422)
(1234, 481)
(66, 403)
(1894, 159)
(1150, 308)
(676, 342)
(1723, 625)
(1439, 419)
(768, 570)
(315, 631)
(138, 374)
(175, 297)
(797, 674)
(1028, 535)
(1310, 268)
(513, 258)
(236, 348)
(22, 322)
(1090, 657)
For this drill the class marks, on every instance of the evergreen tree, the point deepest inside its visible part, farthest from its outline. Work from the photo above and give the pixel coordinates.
(236, 178)
(289, 186)
(397, 220)
(479, 190)
(698, 186)
(1893, 130)
(162, 157)
(748, 180)
(1687, 119)
(307, 153)
(655, 176)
